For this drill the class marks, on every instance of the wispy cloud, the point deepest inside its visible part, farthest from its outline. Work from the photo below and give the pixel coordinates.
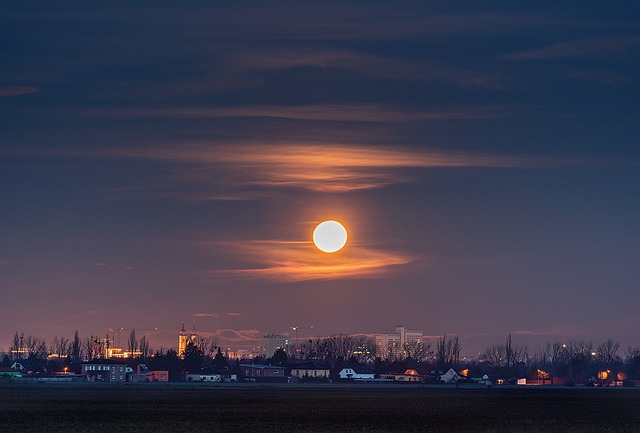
(374, 113)
(233, 314)
(204, 315)
(301, 261)
(5, 262)
(582, 48)
(315, 167)
(555, 331)
(91, 312)
(239, 335)
(16, 91)
(363, 64)
(241, 170)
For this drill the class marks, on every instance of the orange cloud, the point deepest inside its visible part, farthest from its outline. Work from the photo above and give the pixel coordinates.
(301, 261)
(315, 167)
(252, 167)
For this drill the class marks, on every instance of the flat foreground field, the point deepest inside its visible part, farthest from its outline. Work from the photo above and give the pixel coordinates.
(175, 408)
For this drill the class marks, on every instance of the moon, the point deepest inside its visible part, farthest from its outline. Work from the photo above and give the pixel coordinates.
(330, 236)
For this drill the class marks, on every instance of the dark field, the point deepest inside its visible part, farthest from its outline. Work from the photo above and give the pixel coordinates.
(175, 408)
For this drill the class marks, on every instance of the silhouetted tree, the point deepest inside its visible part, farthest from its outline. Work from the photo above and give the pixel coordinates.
(193, 358)
(448, 352)
(132, 342)
(168, 361)
(60, 347)
(145, 350)
(219, 361)
(208, 346)
(632, 362)
(279, 358)
(76, 348)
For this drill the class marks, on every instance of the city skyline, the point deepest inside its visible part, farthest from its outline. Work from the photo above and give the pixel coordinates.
(168, 163)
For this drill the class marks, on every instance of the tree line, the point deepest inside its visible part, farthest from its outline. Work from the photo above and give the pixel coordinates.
(576, 361)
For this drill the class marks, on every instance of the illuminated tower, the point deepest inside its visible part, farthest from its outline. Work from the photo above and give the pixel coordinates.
(182, 341)
(194, 334)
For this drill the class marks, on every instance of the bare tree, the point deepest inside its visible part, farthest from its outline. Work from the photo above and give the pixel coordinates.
(145, 350)
(448, 351)
(132, 342)
(495, 356)
(362, 348)
(92, 348)
(607, 353)
(579, 359)
(515, 354)
(209, 346)
(76, 348)
(60, 347)
(416, 350)
(17, 346)
(35, 347)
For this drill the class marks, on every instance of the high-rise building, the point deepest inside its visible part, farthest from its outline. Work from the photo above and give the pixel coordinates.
(398, 345)
(273, 342)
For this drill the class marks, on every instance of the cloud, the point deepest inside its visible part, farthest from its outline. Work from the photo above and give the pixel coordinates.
(91, 312)
(250, 167)
(610, 45)
(364, 64)
(16, 91)
(301, 261)
(555, 331)
(371, 113)
(314, 167)
(234, 314)
(204, 315)
(238, 336)
(5, 262)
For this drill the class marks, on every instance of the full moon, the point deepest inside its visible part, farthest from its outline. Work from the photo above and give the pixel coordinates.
(330, 236)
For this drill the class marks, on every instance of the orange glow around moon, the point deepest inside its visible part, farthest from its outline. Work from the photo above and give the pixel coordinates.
(330, 236)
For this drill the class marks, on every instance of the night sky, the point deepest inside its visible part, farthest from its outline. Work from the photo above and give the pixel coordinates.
(166, 161)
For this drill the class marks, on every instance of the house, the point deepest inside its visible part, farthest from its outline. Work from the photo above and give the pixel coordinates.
(310, 370)
(409, 375)
(204, 377)
(23, 365)
(262, 373)
(158, 376)
(356, 372)
(105, 370)
(450, 376)
(9, 372)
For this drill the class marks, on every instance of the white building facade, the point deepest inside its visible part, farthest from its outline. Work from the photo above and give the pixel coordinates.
(398, 345)
(273, 342)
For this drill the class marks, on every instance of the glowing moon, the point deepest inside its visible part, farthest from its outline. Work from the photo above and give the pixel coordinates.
(330, 236)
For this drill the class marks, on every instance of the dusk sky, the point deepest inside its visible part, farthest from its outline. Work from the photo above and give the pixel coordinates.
(163, 162)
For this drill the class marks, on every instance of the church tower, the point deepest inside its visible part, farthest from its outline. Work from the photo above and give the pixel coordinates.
(182, 341)
(194, 334)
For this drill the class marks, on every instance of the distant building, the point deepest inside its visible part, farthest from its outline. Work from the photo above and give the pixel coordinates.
(105, 370)
(204, 377)
(273, 342)
(184, 339)
(398, 345)
(9, 372)
(158, 376)
(409, 375)
(357, 372)
(23, 365)
(451, 376)
(310, 370)
(262, 373)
